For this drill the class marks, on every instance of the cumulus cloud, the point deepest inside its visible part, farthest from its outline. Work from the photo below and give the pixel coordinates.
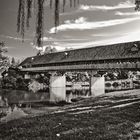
(42, 49)
(38, 48)
(77, 21)
(56, 40)
(122, 5)
(128, 37)
(85, 25)
(46, 39)
(119, 38)
(58, 47)
(108, 34)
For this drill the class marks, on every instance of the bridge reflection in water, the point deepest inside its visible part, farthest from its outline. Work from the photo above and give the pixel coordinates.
(12, 102)
(18, 96)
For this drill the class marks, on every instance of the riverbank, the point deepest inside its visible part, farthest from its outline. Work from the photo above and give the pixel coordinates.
(111, 116)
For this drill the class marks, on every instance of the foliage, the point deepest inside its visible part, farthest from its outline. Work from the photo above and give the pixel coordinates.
(9, 82)
(39, 83)
(77, 77)
(43, 78)
(21, 83)
(14, 80)
(24, 17)
(137, 2)
(25, 13)
(4, 61)
(122, 75)
(35, 86)
(50, 50)
(13, 61)
(116, 75)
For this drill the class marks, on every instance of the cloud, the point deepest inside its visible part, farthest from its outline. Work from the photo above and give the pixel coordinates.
(119, 38)
(15, 38)
(128, 37)
(73, 25)
(58, 47)
(46, 39)
(62, 39)
(42, 49)
(108, 34)
(77, 21)
(127, 13)
(122, 5)
(55, 45)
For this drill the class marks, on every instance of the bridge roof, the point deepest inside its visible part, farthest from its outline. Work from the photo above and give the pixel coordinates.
(126, 50)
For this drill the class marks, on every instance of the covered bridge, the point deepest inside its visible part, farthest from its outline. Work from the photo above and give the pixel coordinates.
(116, 56)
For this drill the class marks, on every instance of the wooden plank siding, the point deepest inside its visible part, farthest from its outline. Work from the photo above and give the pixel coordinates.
(86, 67)
(116, 56)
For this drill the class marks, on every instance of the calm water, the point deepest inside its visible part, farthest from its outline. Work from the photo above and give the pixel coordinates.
(11, 98)
(54, 94)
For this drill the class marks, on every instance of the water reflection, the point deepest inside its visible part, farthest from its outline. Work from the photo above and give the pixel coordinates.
(11, 101)
(10, 97)
(17, 96)
(3, 101)
(57, 94)
(72, 94)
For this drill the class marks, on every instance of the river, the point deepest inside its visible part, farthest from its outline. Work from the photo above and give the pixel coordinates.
(54, 95)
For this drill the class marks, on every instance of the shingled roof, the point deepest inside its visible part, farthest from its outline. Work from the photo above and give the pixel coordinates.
(115, 51)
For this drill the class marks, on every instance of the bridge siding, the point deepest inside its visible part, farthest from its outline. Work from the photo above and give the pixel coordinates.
(86, 67)
(116, 56)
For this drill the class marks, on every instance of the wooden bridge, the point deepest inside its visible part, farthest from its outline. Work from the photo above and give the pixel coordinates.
(123, 56)
(128, 66)
(116, 56)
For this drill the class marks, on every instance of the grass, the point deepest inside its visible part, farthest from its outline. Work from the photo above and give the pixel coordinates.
(99, 122)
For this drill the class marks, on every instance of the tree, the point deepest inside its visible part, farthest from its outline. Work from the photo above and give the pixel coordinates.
(137, 2)
(4, 61)
(50, 50)
(1, 48)
(25, 13)
(13, 62)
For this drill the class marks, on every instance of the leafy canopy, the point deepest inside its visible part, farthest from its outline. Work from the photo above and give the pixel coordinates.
(25, 14)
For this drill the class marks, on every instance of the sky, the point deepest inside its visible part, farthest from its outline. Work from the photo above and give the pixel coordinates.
(92, 23)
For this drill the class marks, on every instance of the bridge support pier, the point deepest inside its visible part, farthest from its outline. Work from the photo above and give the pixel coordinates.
(97, 85)
(57, 88)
